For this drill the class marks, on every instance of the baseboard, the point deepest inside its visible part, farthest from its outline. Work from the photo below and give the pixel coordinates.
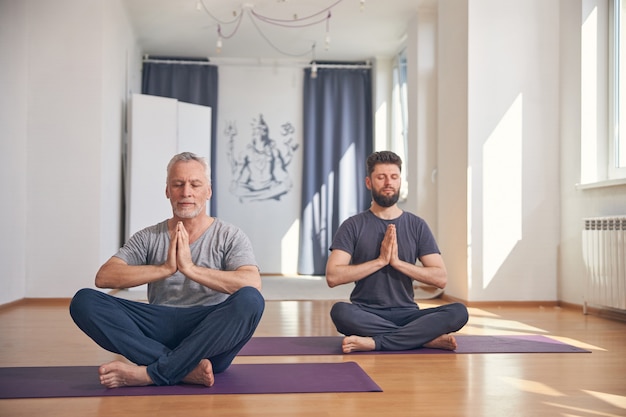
(501, 303)
(604, 312)
(37, 302)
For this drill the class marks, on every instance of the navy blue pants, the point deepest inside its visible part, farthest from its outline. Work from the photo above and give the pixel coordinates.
(170, 341)
(398, 328)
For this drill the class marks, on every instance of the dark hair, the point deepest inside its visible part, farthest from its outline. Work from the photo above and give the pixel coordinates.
(382, 157)
(189, 156)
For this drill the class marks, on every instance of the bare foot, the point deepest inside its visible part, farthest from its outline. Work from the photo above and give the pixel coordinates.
(445, 341)
(201, 374)
(119, 374)
(357, 344)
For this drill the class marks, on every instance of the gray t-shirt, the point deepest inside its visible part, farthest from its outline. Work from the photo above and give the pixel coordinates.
(361, 236)
(222, 246)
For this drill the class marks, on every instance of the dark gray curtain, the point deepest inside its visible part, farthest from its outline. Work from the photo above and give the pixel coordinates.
(337, 138)
(189, 82)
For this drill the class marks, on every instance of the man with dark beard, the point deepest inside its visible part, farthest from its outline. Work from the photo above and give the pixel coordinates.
(377, 250)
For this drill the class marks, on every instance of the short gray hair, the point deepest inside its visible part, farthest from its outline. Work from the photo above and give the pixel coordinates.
(190, 156)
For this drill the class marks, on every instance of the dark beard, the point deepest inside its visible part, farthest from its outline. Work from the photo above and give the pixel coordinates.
(385, 201)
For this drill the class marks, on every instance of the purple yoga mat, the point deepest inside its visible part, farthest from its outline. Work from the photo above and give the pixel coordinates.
(82, 381)
(331, 345)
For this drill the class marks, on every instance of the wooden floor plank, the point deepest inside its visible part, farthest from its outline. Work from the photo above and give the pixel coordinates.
(41, 333)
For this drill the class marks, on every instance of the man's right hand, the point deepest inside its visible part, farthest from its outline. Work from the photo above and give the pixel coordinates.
(170, 263)
(389, 245)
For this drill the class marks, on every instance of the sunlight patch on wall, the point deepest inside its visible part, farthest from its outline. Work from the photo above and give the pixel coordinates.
(348, 205)
(289, 248)
(502, 190)
(589, 100)
(469, 228)
(381, 128)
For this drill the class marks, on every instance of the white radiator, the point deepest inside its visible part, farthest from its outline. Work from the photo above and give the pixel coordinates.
(604, 254)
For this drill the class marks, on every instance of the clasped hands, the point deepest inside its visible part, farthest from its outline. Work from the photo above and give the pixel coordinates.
(389, 247)
(179, 252)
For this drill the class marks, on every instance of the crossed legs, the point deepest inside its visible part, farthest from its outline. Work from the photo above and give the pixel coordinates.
(398, 329)
(167, 345)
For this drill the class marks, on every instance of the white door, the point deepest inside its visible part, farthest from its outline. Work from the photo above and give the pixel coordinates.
(159, 128)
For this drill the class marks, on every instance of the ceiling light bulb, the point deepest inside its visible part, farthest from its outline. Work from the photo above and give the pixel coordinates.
(314, 70)
(218, 45)
(327, 41)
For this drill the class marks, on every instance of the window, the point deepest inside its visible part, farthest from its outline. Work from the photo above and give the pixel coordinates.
(617, 91)
(603, 93)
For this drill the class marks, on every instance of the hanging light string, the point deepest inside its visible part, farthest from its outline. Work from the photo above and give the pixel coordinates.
(292, 23)
(295, 22)
(202, 6)
(327, 38)
(221, 34)
(276, 48)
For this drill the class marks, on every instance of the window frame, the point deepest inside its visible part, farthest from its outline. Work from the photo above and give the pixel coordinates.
(616, 149)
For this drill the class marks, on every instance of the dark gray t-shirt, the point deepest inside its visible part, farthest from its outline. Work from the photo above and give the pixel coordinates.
(361, 236)
(222, 246)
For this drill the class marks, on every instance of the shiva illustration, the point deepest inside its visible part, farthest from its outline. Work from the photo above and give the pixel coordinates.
(260, 170)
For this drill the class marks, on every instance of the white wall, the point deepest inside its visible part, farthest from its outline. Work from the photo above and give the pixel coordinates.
(452, 128)
(13, 158)
(513, 135)
(577, 203)
(121, 76)
(498, 148)
(64, 120)
(68, 70)
(421, 167)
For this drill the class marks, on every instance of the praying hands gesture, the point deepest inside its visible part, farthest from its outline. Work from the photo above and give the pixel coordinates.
(340, 270)
(389, 247)
(179, 259)
(116, 273)
(179, 253)
(432, 271)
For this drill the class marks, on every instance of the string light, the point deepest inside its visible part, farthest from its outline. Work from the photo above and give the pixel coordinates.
(313, 63)
(296, 21)
(327, 38)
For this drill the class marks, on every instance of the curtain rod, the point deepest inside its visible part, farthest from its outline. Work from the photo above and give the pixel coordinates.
(341, 66)
(288, 63)
(176, 61)
(322, 64)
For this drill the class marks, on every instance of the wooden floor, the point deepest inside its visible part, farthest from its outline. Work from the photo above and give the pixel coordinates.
(41, 333)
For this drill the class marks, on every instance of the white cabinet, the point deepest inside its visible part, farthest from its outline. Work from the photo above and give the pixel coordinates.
(159, 128)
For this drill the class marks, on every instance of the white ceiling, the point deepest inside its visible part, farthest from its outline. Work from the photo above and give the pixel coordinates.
(176, 28)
